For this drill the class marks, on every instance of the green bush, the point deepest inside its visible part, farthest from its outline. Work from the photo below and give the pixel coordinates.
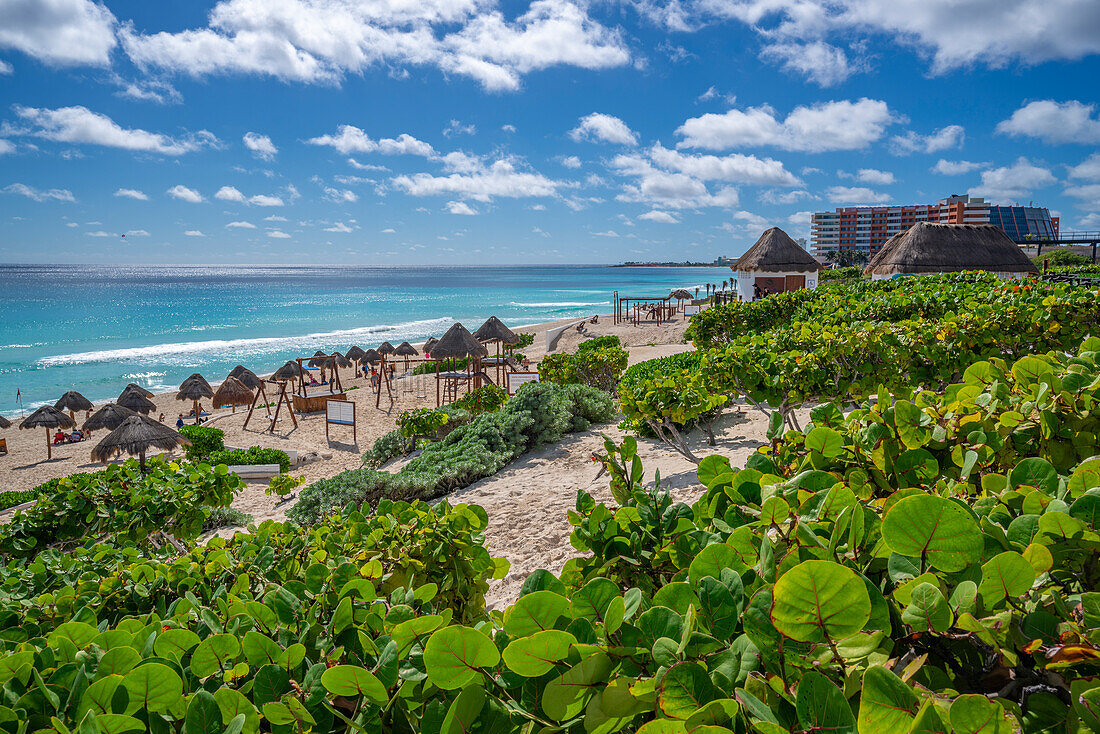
(421, 423)
(598, 362)
(225, 517)
(485, 399)
(386, 447)
(1058, 258)
(205, 440)
(15, 497)
(250, 456)
(838, 274)
(456, 364)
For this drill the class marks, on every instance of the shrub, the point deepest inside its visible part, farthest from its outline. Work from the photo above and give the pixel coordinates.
(250, 456)
(205, 440)
(225, 517)
(837, 274)
(386, 447)
(455, 364)
(15, 497)
(598, 362)
(525, 340)
(485, 399)
(421, 422)
(1058, 258)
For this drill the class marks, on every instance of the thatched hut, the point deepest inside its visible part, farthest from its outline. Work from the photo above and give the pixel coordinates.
(457, 343)
(385, 348)
(775, 264)
(926, 249)
(432, 341)
(110, 416)
(48, 417)
(319, 359)
(247, 377)
(288, 371)
(134, 387)
(134, 400)
(494, 330)
(73, 401)
(370, 356)
(355, 354)
(341, 360)
(195, 388)
(136, 436)
(231, 392)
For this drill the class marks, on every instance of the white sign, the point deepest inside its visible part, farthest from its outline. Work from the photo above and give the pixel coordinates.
(690, 310)
(518, 379)
(340, 411)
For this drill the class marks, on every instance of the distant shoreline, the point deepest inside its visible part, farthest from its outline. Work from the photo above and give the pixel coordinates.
(670, 265)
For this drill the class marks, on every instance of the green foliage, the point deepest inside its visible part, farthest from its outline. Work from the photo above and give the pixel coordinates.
(1057, 258)
(385, 448)
(452, 364)
(485, 399)
(283, 484)
(205, 440)
(14, 497)
(539, 413)
(225, 517)
(598, 362)
(421, 422)
(120, 501)
(250, 456)
(526, 339)
(838, 274)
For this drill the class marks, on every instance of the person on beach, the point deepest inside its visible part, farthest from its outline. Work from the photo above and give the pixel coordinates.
(179, 422)
(161, 419)
(59, 437)
(373, 377)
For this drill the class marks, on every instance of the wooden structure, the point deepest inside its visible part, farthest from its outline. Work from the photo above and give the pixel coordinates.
(307, 402)
(341, 413)
(458, 343)
(775, 264)
(927, 249)
(494, 331)
(280, 400)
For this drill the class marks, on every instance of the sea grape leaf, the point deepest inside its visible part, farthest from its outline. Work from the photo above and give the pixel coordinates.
(712, 559)
(888, 705)
(822, 707)
(816, 600)
(825, 441)
(463, 713)
(1007, 574)
(537, 654)
(154, 687)
(454, 655)
(928, 610)
(566, 695)
(203, 714)
(976, 714)
(685, 687)
(352, 681)
(535, 612)
(934, 529)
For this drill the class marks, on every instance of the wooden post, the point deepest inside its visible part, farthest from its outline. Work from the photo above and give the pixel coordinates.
(49, 445)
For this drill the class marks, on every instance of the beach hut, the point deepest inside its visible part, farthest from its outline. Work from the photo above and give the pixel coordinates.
(406, 350)
(73, 401)
(494, 330)
(777, 264)
(231, 392)
(134, 400)
(4, 422)
(288, 371)
(48, 417)
(929, 249)
(370, 356)
(110, 416)
(195, 388)
(135, 436)
(247, 377)
(385, 348)
(134, 387)
(457, 343)
(681, 295)
(355, 354)
(432, 341)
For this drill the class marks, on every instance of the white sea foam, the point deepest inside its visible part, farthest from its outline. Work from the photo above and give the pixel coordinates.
(143, 375)
(172, 352)
(559, 304)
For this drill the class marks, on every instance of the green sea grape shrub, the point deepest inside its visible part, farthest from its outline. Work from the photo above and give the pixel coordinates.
(250, 456)
(205, 440)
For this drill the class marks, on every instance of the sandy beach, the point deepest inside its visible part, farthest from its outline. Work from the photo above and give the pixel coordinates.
(526, 502)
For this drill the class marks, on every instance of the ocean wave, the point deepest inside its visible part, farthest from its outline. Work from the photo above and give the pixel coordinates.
(559, 304)
(252, 346)
(143, 375)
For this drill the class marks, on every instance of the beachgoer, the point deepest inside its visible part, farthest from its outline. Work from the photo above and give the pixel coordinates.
(756, 291)
(526, 364)
(59, 437)
(179, 422)
(373, 377)
(161, 419)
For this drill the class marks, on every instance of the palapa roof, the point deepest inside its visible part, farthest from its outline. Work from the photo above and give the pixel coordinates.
(370, 356)
(135, 387)
(682, 293)
(136, 435)
(74, 401)
(341, 360)
(135, 401)
(494, 330)
(385, 348)
(458, 342)
(288, 371)
(110, 416)
(432, 341)
(319, 359)
(232, 392)
(355, 354)
(404, 349)
(195, 387)
(946, 248)
(776, 252)
(247, 377)
(4, 422)
(47, 417)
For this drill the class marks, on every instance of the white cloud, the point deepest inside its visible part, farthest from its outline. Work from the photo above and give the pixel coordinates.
(1089, 196)
(6, 68)
(185, 194)
(875, 177)
(855, 195)
(146, 90)
(600, 128)
(461, 207)
(1009, 184)
(656, 215)
(278, 234)
(820, 62)
(6, 147)
(341, 196)
(772, 196)
(388, 230)
(339, 227)
(365, 166)
(265, 200)
(508, 128)
(38, 194)
(665, 190)
(240, 225)
(132, 194)
(826, 126)
(275, 218)
(457, 128)
(570, 161)
(260, 145)
(1088, 169)
(81, 125)
(351, 139)
(136, 233)
(100, 233)
(1054, 122)
(321, 42)
(499, 179)
(608, 233)
(230, 193)
(734, 167)
(956, 168)
(951, 136)
(193, 233)
(59, 32)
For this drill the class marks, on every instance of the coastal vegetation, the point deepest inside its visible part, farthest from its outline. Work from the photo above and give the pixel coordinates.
(598, 362)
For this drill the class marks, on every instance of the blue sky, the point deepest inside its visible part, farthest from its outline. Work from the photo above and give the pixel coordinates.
(474, 131)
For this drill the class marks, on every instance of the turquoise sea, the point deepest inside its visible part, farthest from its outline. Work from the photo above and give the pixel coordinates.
(96, 328)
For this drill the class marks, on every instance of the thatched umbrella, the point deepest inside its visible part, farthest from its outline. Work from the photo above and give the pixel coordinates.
(355, 354)
(406, 350)
(73, 401)
(319, 359)
(195, 388)
(4, 422)
(385, 348)
(47, 417)
(247, 377)
(458, 342)
(288, 371)
(681, 294)
(110, 416)
(370, 356)
(432, 341)
(494, 330)
(135, 436)
(134, 400)
(232, 392)
(341, 360)
(134, 387)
